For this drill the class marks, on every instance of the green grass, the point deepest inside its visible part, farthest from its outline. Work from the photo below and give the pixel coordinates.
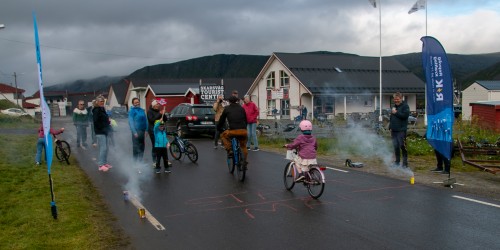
(26, 222)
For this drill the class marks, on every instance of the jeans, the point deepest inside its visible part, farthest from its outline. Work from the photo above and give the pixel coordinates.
(399, 143)
(81, 135)
(40, 145)
(252, 135)
(102, 141)
(138, 145)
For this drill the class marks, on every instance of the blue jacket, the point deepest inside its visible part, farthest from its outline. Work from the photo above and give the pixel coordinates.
(161, 139)
(137, 119)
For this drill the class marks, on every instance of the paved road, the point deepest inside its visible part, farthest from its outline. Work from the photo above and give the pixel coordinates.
(202, 206)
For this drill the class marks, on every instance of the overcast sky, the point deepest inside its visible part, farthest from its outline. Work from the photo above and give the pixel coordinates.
(91, 38)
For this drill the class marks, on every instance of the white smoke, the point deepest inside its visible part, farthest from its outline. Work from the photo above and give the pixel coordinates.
(357, 141)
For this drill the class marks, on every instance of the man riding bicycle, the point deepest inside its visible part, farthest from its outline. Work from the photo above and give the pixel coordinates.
(236, 127)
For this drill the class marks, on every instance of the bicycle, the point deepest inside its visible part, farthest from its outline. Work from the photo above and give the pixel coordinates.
(63, 150)
(314, 178)
(235, 162)
(180, 146)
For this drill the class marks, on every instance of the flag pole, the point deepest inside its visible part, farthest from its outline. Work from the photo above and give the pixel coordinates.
(380, 60)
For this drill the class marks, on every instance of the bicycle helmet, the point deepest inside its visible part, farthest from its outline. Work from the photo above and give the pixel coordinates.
(305, 125)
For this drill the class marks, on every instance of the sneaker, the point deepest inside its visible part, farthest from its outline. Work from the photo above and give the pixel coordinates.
(248, 148)
(445, 172)
(38, 163)
(108, 166)
(437, 170)
(169, 164)
(158, 170)
(244, 164)
(168, 171)
(103, 168)
(300, 178)
(154, 165)
(256, 149)
(215, 147)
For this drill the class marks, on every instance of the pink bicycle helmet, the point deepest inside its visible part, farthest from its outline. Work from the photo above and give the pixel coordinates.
(305, 125)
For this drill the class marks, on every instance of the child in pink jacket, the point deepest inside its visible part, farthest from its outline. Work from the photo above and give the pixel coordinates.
(306, 146)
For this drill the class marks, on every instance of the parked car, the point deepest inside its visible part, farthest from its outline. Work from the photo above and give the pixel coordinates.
(118, 112)
(192, 119)
(14, 112)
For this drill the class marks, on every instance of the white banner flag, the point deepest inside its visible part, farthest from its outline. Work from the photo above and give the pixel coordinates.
(373, 3)
(419, 5)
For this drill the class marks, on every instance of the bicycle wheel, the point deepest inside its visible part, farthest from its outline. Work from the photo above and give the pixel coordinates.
(230, 165)
(289, 176)
(191, 152)
(175, 150)
(315, 185)
(63, 151)
(241, 170)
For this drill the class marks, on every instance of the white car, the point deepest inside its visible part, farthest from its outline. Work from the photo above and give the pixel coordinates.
(14, 112)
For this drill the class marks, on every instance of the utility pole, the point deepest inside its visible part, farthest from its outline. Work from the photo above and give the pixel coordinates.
(15, 82)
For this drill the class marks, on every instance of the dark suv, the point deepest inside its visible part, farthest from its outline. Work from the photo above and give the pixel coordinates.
(192, 119)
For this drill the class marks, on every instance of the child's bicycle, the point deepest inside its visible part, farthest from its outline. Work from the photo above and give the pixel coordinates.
(314, 178)
(63, 150)
(235, 162)
(180, 146)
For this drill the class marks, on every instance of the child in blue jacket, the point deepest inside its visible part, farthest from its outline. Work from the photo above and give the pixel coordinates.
(160, 147)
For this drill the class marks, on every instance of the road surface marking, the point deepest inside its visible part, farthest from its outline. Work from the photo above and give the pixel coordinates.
(149, 216)
(336, 169)
(480, 202)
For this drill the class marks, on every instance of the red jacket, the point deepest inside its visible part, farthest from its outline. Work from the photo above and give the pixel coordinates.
(41, 134)
(252, 112)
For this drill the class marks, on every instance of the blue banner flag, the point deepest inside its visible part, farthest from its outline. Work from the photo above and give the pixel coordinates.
(43, 103)
(439, 93)
(45, 120)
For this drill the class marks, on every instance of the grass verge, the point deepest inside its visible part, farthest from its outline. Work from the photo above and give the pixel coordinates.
(25, 218)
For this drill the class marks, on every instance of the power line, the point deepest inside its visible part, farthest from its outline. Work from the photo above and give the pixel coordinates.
(90, 52)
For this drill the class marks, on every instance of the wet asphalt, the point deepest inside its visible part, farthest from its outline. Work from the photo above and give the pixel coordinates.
(202, 206)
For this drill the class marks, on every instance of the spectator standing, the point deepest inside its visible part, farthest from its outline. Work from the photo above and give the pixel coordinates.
(161, 145)
(252, 113)
(398, 125)
(441, 160)
(91, 121)
(40, 144)
(102, 128)
(218, 108)
(154, 114)
(304, 112)
(81, 122)
(138, 126)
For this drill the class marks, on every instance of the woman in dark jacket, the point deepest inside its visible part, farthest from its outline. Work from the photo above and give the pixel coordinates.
(154, 114)
(101, 127)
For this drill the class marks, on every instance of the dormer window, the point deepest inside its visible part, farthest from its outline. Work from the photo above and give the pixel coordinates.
(271, 80)
(284, 79)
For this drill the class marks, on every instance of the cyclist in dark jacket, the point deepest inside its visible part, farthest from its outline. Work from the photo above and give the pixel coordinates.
(398, 125)
(237, 124)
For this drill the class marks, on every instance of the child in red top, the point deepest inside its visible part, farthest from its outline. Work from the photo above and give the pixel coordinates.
(41, 143)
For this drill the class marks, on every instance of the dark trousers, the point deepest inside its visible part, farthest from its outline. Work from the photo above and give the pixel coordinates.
(138, 146)
(399, 143)
(440, 160)
(152, 137)
(161, 153)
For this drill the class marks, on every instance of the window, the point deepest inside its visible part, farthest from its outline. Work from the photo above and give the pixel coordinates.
(285, 107)
(270, 79)
(284, 79)
(271, 105)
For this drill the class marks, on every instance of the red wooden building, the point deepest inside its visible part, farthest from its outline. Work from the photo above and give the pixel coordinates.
(488, 114)
(173, 94)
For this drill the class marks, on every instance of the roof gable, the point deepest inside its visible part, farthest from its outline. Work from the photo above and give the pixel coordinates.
(490, 85)
(5, 88)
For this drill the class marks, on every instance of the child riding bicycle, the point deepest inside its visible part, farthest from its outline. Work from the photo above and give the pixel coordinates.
(306, 146)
